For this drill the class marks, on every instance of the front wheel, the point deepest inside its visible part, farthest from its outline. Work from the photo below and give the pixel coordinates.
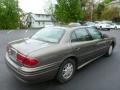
(66, 71)
(110, 51)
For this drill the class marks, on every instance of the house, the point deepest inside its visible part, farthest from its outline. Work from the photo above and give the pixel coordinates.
(38, 20)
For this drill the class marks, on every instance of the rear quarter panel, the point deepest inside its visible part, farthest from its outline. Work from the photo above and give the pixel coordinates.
(55, 54)
(110, 40)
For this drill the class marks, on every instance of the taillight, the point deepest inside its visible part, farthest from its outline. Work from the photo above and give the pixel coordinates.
(27, 61)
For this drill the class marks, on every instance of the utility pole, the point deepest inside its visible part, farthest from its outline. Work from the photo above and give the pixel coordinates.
(52, 11)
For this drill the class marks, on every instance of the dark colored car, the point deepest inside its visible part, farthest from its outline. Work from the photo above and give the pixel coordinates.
(56, 52)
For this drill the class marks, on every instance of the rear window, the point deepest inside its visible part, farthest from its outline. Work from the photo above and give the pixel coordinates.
(52, 35)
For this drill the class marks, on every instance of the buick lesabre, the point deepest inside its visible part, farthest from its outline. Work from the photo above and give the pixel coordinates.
(56, 52)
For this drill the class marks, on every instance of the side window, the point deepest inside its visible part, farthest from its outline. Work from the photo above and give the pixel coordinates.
(73, 37)
(80, 35)
(94, 33)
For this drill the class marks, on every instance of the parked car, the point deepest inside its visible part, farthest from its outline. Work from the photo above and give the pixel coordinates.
(103, 26)
(114, 26)
(91, 24)
(56, 52)
(107, 25)
(74, 24)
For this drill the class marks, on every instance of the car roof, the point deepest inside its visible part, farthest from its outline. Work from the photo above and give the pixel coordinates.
(68, 31)
(71, 28)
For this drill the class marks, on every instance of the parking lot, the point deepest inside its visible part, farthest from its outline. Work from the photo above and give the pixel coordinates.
(102, 74)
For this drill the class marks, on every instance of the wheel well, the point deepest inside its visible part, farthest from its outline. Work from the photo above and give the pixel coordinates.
(75, 59)
(113, 44)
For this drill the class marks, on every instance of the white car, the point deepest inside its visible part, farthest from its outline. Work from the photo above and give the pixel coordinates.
(103, 25)
(114, 26)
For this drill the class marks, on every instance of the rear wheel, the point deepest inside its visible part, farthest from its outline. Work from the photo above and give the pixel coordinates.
(108, 29)
(100, 27)
(66, 71)
(110, 50)
(115, 28)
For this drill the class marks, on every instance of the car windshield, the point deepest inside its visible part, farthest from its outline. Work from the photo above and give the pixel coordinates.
(52, 35)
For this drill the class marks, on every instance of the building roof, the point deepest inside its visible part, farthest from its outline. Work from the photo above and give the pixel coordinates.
(37, 17)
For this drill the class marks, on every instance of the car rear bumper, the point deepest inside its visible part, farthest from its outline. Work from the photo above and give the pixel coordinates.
(31, 76)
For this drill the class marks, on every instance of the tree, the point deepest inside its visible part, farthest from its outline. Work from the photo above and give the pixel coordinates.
(110, 13)
(83, 2)
(9, 14)
(100, 8)
(107, 1)
(68, 11)
(86, 8)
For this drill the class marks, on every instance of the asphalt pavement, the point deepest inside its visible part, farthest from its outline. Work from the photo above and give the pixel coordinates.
(102, 74)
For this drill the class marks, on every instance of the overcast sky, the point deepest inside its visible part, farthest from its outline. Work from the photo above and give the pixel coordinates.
(35, 6)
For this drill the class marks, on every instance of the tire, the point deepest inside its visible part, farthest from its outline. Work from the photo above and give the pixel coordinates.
(108, 29)
(62, 74)
(115, 28)
(101, 28)
(110, 50)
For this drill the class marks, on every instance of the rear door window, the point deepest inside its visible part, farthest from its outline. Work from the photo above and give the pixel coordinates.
(94, 33)
(80, 35)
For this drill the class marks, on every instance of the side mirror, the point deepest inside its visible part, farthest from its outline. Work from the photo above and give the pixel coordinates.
(104, 36)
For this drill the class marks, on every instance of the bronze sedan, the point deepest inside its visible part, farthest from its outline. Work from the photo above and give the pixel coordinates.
(56, 52)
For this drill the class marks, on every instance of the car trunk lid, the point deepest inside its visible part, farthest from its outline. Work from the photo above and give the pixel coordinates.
(29, 46)
(25, 47)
